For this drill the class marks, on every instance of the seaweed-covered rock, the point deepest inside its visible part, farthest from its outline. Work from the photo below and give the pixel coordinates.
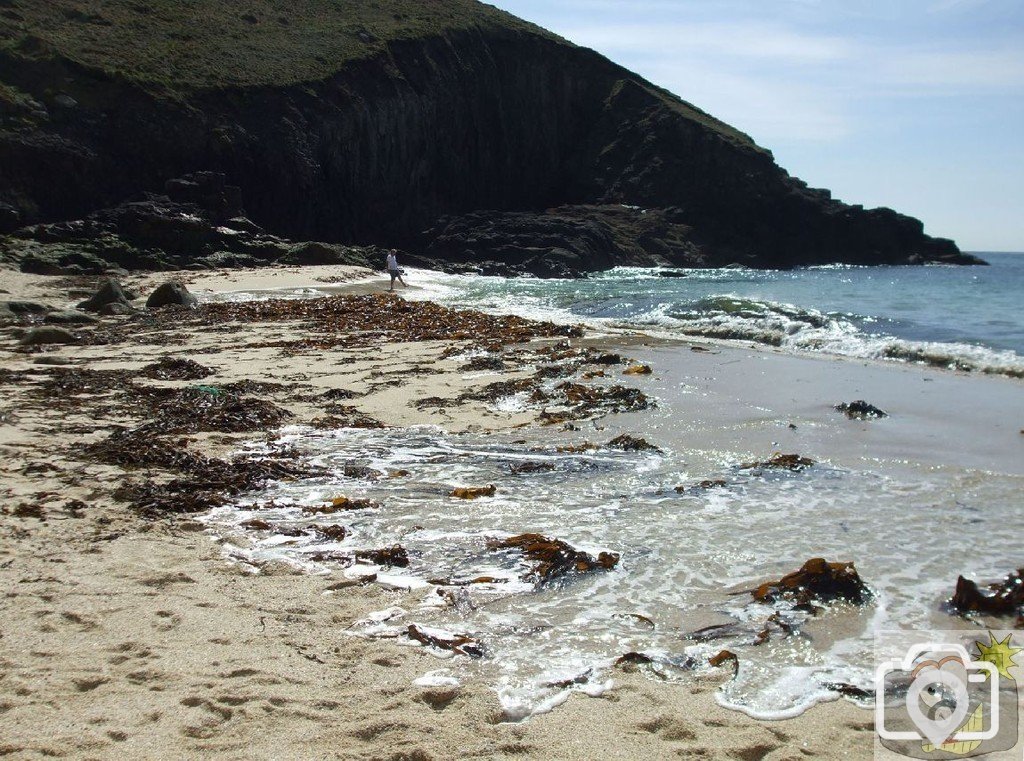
(817, 581)
(388, 556)
(860, 409)
(793, 462)
(1004, 598)
(553, 558)
(627, 443)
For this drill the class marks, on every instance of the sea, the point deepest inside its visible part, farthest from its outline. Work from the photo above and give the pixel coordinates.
(688, 556)
(969, 318)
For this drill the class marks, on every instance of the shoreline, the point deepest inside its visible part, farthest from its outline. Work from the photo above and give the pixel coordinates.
(145, 639)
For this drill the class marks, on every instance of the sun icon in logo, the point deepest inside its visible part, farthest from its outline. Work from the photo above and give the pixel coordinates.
(999, 654)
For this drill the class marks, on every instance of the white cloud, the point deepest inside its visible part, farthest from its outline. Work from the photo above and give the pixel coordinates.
(768, 108)
(781, 82)
(951, 72)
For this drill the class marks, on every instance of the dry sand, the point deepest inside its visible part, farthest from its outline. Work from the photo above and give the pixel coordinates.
(126, 637)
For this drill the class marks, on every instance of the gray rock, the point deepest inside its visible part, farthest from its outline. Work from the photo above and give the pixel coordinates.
(69, 317)
(116, 308)
(171, 293)
(315, 253)
(51, 359)
(24, 307)
(109, 292)
(48, 334)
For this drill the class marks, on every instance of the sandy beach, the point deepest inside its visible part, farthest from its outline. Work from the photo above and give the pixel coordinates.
(128, 634)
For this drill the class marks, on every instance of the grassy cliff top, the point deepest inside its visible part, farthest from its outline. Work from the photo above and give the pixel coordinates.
(192, 44)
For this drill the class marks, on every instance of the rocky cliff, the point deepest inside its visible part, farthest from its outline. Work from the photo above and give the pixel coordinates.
(445, 127)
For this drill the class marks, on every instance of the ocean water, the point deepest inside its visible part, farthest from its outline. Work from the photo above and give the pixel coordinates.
(970, 318)
(688, 559)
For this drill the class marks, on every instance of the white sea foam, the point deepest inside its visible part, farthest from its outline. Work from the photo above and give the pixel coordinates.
(681, 554)
(727, 316)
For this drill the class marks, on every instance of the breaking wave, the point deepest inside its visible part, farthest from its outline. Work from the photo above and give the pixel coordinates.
(629, 299)
(808, 330)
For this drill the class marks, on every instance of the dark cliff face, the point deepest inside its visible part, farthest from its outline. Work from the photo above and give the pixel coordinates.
(482, 118)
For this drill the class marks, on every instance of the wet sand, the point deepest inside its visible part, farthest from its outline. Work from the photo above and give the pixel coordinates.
(745, 399)
(130, 636)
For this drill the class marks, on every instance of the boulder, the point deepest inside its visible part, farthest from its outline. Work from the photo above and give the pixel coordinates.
(48, 334)
(109, 292)
(171, 293)
(115, 308)
(316, 253)
(15, 310)
(69, 317)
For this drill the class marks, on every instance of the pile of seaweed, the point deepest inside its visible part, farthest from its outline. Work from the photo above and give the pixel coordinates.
(199, 482)
(563, 402)
(183, 481)
(384, 318)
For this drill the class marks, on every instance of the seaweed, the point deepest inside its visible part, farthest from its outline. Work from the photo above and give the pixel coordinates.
(638, 370)
(396, 556)
(1002, 598)
(816, 581)
(202, 408)
(461, 644)
(860, 410)
(522, 468)
(204, 482)
(710, 483)
(338, 505)
(627, 443)
(553, 558)
(793, 462)
(474, 492)
(172, 368)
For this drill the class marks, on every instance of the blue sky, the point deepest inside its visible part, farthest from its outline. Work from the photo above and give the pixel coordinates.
(913, 104)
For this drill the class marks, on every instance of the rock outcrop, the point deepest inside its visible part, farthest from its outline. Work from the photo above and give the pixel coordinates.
(197, 223)
(368, 122)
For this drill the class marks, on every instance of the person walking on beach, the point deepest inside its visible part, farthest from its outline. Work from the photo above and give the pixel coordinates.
(394, 271)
